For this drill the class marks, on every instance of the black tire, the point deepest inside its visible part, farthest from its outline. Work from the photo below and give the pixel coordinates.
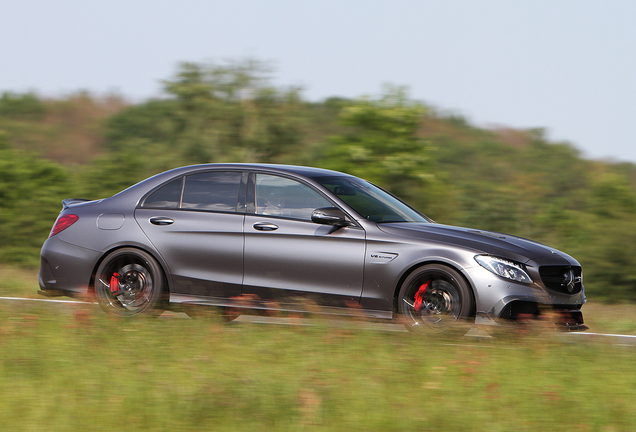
(445, 300)
(138, 282)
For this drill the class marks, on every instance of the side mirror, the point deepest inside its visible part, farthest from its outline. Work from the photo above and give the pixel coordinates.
(330, 216)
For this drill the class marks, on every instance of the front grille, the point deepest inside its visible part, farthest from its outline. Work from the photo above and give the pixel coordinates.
(562, 279)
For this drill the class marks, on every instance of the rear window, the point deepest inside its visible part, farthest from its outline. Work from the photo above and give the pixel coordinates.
(209, 191)
(212, 191)
(167, 196)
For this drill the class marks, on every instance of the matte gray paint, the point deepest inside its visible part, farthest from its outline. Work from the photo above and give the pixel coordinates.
(215, 256)
(204, 250)
(302, 258)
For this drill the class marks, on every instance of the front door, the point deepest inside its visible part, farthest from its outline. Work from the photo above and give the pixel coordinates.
(287, 256)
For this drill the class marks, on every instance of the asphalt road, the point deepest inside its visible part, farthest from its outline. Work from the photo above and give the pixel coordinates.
(615, 339)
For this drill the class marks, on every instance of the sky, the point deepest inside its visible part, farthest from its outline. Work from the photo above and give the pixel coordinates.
(568, 66)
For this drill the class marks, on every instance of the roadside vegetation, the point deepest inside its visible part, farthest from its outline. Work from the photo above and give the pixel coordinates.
(71, 367)
(74, 368)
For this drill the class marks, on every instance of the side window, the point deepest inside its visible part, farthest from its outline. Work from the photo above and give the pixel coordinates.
(166, 197)
(279, 196)
(214, 191)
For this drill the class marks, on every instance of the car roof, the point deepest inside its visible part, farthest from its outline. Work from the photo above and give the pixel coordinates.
(135, 191)
(295, 169)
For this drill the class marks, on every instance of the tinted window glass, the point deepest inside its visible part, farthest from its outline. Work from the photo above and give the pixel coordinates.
(279, 196)
(215, 191)
(370, 201)
(165, 197)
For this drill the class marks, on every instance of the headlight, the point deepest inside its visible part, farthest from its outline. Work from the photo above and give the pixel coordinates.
(504, 268)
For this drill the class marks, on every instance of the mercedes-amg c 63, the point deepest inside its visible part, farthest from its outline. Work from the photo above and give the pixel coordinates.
(251, 236)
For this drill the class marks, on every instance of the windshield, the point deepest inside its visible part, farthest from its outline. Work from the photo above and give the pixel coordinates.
(370, 201)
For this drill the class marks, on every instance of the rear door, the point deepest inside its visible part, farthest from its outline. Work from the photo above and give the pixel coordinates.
(196, 224)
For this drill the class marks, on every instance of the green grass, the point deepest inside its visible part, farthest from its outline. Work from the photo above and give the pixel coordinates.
(72, 368)
(613, 319)
(15, 282)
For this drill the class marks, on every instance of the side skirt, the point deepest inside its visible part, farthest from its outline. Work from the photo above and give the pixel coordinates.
(251, 303)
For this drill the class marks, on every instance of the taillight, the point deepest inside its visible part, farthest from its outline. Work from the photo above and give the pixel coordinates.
(63, 222)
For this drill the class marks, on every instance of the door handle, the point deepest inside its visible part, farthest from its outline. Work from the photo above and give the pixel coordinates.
(265, 226)
(159, 220)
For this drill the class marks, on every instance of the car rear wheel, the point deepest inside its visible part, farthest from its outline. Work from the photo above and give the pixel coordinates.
(435, 299)
(130, 282)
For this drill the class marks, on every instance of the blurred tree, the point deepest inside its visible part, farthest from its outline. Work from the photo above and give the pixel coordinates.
(69, 130)
(137, 159)
(217, 113)
(611, 196)
(31, 191)
(231, 113)
(382, 145)
(152, 121)
(21, 106)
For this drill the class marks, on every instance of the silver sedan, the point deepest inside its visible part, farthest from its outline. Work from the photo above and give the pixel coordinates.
(251, 236)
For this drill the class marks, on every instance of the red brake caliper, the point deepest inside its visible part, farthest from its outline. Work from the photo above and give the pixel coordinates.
(114, 284)
(419, 296)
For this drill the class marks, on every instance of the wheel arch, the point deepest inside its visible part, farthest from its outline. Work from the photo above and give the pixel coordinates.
(151, 252)
(418, 265)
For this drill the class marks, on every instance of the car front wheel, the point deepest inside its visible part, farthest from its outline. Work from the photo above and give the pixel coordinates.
(129, 282)
(435, 299)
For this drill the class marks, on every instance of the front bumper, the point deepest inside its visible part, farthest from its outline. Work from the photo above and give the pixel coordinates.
(500, 300)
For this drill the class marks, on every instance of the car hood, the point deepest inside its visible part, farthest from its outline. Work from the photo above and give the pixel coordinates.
(503, 245)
